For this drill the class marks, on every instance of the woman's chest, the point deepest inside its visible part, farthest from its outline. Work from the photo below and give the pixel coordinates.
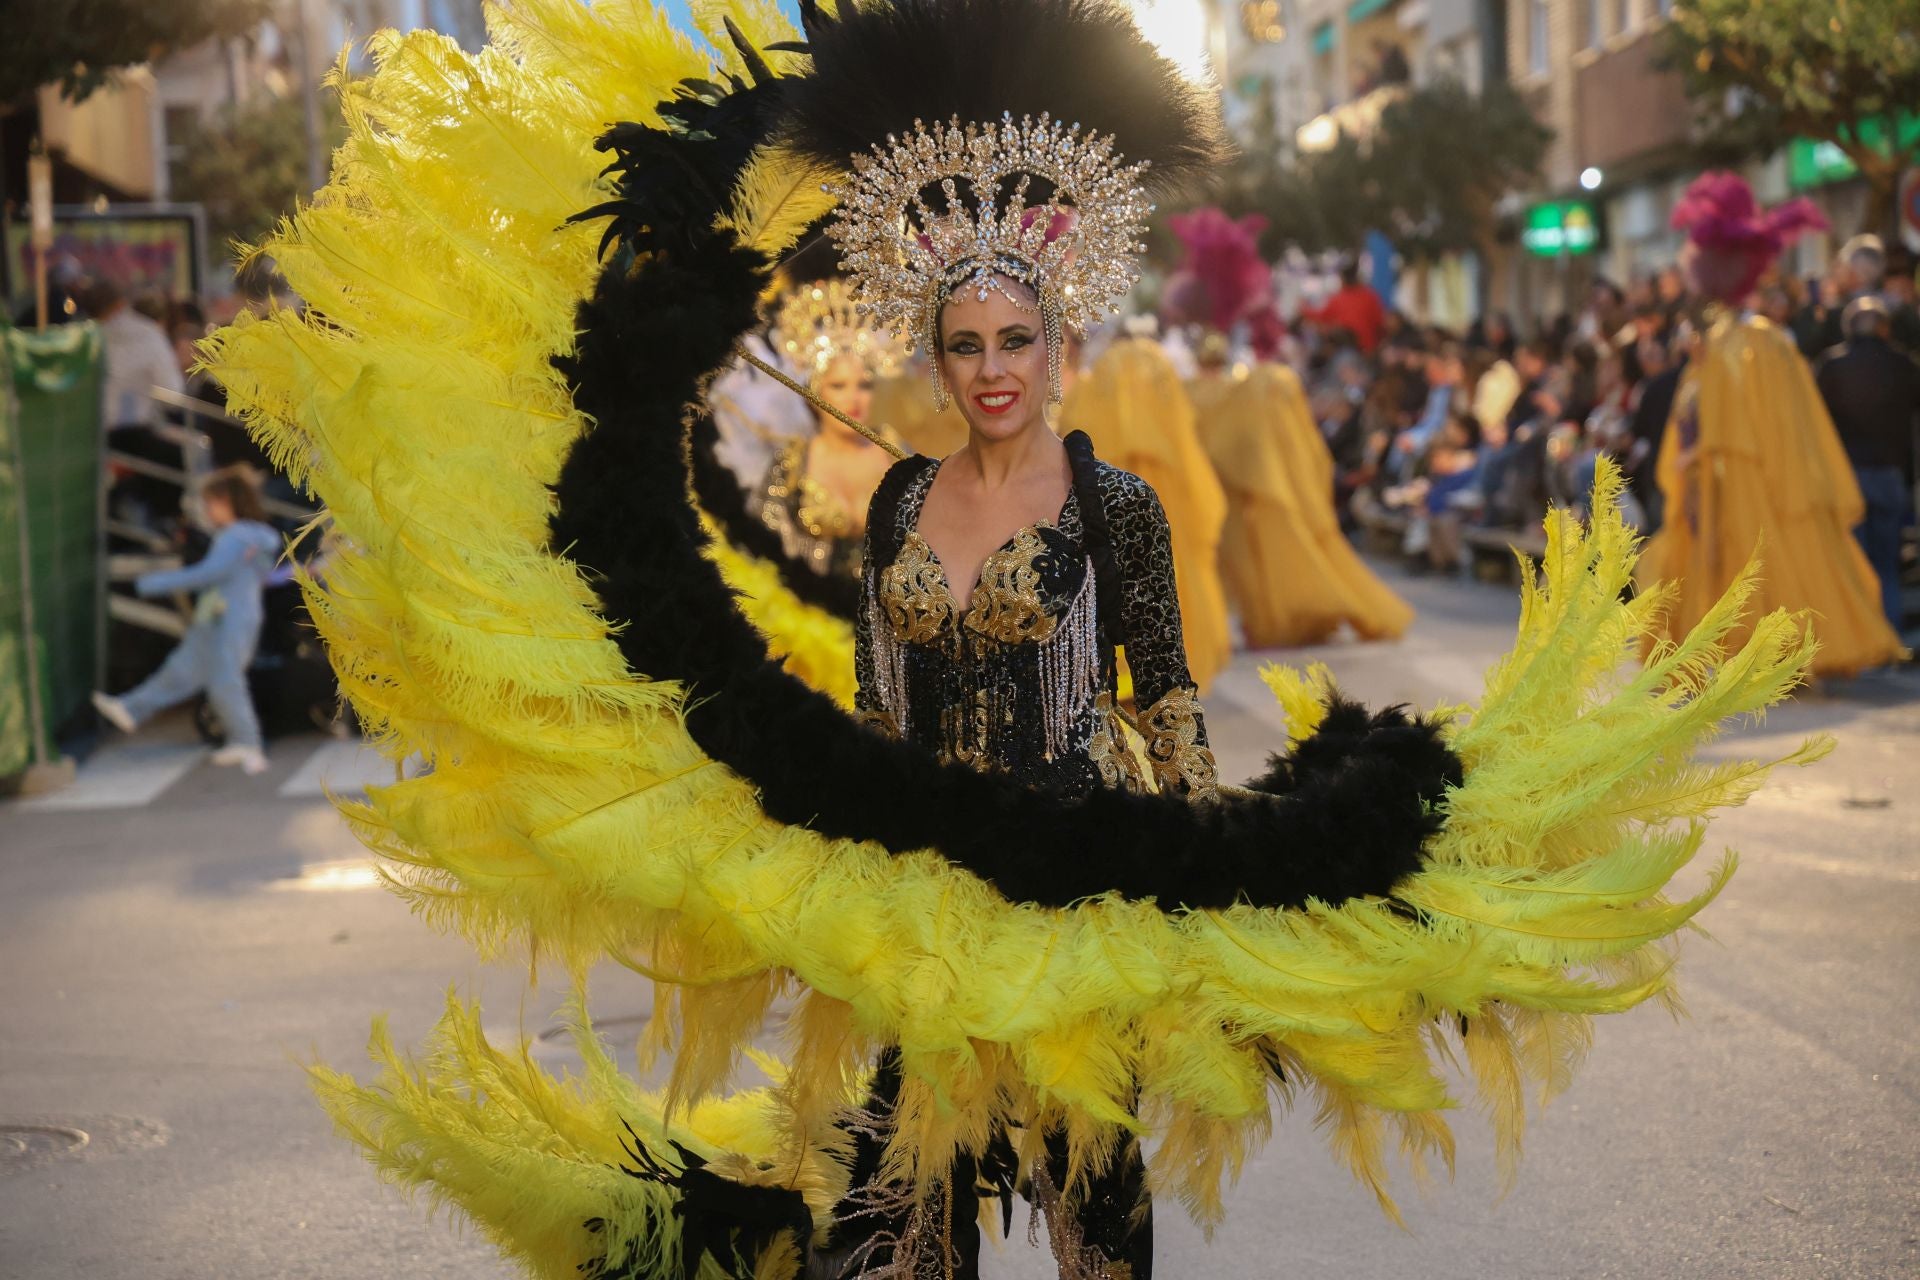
(1021, 591)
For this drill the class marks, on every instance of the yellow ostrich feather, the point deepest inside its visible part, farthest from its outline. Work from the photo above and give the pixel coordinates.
(537, 1163)
(811, 643)
(779, 197)
(567, 812)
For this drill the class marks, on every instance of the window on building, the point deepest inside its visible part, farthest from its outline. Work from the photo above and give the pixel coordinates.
(180, 124)
(1663, 7)
(1622, 16)
(1537, 19)
(1596, 23)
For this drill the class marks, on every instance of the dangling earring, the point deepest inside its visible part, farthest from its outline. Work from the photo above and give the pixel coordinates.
(1056, 351)
(931, 340)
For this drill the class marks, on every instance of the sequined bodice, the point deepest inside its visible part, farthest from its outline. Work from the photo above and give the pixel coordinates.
(813, 525)
(1026, 587)
(1016, 677)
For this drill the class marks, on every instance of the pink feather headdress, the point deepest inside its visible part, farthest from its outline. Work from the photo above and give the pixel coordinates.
(1223, 279)
(1733, 241)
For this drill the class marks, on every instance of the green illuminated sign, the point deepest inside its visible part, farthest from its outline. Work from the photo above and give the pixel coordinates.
(1559, 227)
(1813, 163)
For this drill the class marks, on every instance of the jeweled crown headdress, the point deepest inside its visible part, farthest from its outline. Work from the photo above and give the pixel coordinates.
(911, 237)
(999, 185)
(821, 322)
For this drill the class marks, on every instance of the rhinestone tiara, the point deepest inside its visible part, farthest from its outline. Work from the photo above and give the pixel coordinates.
(1076, 248)
(821, 322)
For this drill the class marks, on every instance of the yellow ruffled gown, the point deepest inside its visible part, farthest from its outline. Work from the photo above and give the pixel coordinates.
(1767, 472)
(1288, 568)
(1206, 392)
(1132, 404)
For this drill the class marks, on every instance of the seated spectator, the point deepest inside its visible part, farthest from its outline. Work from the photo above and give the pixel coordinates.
(1490, 387)
(1444, 373)
(1648, 409)
(1453, 473)
(1648, 322)
(1492, 332)
(1531, 361)
(1513, 479)
(1605, 313)
(1582, 364)
(1670, 291)
(1775, 304)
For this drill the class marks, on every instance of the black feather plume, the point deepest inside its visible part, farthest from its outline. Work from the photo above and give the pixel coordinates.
(883, 64)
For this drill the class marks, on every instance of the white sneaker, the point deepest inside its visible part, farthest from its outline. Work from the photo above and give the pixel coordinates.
(114, 712)
(251, 760)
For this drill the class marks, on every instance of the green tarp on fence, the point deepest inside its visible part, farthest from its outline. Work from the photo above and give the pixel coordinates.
(50, 459)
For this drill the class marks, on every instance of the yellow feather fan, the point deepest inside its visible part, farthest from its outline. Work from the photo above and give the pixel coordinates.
(812, 644)
(567, 810)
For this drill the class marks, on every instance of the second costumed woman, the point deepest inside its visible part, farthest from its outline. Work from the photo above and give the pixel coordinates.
(815, 492)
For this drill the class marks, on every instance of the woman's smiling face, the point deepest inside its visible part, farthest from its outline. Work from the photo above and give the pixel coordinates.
(847, 385)
(993, 356)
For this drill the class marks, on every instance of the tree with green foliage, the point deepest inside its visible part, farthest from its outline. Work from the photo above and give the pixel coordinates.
(247, 166)
(1428, 175)
(1762, 74)
(81, 44)
(1443, 157)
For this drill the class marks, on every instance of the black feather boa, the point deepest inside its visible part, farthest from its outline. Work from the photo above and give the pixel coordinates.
(879, 67)
(1345, 816)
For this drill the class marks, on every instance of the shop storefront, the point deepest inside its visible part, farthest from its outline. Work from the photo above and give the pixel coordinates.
(1553, 263)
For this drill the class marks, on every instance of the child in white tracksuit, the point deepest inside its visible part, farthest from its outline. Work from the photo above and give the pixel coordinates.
(214, 654)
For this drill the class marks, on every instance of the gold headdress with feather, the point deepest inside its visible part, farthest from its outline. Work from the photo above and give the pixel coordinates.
(957, 127)
(821, 322)
(908, 253)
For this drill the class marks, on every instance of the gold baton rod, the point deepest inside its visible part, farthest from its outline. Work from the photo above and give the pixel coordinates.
(814, 400)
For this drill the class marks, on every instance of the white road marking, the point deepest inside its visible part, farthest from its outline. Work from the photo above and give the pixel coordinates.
(125, 775)
(331, 877)
(340, 768)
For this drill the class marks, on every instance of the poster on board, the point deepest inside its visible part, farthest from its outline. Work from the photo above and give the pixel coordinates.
(143, 248)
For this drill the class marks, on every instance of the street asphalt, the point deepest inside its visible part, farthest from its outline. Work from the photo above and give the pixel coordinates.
(168, 965)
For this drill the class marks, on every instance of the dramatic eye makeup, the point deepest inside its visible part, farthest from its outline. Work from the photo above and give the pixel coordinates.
(967, 343)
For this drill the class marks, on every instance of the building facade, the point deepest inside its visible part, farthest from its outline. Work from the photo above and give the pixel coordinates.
(121, 145)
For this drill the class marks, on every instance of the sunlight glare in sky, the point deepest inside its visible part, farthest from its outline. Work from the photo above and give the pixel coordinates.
(1178, 28)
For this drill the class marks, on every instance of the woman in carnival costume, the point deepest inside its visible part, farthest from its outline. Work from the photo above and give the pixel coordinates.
(1751, 461)
(1211, 297)
(816, 490)
(496, 418)
(1289, 569)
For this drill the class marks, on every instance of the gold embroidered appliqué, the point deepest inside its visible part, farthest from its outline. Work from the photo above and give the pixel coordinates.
(913, 591)
(1180, 764)
(1006, 604)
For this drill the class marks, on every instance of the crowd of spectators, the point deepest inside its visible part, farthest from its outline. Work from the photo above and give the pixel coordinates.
(1438, 433)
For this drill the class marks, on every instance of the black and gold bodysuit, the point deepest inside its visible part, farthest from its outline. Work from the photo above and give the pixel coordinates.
(1022, 678)
(814, 528)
